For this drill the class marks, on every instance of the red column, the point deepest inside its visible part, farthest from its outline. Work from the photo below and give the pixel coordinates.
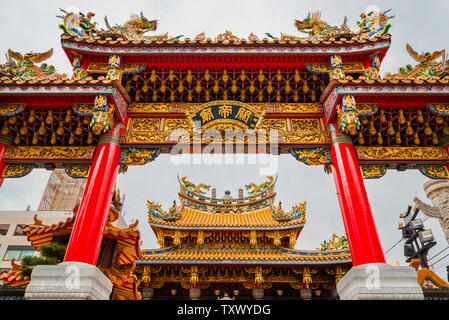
(87, 233)
(4, 143)
(354, 205)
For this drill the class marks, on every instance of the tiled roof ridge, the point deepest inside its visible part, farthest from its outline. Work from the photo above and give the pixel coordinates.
(355, 39)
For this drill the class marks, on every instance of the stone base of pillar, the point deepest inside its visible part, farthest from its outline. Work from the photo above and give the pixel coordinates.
(68, 281)
(379, 281)
(306, 294)
(258, 293)
(147, 293)
(195, 293)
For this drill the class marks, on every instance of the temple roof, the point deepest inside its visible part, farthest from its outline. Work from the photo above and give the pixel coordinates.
(200, 212)
(241, 254)
(196, 219)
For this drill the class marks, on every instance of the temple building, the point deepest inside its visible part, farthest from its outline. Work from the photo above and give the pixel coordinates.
(240, 247)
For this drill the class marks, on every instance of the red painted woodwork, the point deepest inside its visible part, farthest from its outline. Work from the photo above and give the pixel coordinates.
(354, 205)
(87, 234)
(3, 147)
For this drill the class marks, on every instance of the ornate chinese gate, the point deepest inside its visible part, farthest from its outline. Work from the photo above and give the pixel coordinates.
(129, 93)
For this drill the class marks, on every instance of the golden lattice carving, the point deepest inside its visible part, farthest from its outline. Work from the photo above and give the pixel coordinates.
(401, 153)
(53, 153)
(306, 131)
(144, 124)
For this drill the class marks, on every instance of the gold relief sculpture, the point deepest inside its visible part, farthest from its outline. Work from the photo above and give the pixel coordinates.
(143, 137)
(173, 124)
(306, 131)
(77, 171)
(16, 170)
(188, 108)
(51, 153)
(144, 124)
(373, 171)
(401, 153)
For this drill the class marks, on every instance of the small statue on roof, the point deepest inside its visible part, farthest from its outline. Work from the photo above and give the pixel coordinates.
(374, 23)
(76, 23)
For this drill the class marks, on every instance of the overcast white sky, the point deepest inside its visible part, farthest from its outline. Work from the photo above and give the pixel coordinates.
(32, 26)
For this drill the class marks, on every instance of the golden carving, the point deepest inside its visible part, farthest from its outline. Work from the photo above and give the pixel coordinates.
(173, 124)
(144, 124)
(53, 153)
(306, 131)
(16, 170)
(401, 153)
(186, 108)
(145, 137)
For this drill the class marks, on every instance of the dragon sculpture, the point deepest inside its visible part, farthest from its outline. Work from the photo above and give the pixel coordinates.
(135, 28)
(334, 243)
(428, 66)
(173, 214)
(194, 188)
(253, 188)
(298, 212)
(77, 24)
(315, 27)
(374, 23)
(23, 66)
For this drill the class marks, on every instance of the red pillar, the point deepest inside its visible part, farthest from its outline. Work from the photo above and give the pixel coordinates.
(87, 234)
(4, 143)
(354, 205)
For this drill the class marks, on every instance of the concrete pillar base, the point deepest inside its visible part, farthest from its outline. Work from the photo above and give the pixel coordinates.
(306, 294)
(195, 293)
(258, 293)
(147, 293)
(379, 281)
(68, 281)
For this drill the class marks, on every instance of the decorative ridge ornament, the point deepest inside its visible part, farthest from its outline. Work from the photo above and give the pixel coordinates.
(133, 29)
(314, 27)
(187, 185)
(253, 188)
(23, 66)
(77, 24)
(173, 214)
(335, 243)
(427, 68)
(298, 212)
(374, 23)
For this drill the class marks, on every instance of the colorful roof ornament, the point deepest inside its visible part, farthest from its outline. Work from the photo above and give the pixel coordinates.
(298, 212)
(77, 24)
(173, 214)
(315, 27)
(135, 28)
(374, 23)
(335, 243)
(428, 66)
(193, 187)
(227, 36)
(253, 188)
(23, 66)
